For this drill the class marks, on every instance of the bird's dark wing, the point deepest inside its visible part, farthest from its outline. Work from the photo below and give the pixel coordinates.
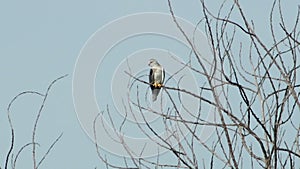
(163, 78)
(151, 78)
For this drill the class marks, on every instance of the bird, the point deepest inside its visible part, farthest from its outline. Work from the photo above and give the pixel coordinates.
(156, 77)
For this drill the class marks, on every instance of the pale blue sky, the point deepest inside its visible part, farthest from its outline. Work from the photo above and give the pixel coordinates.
(40, 41)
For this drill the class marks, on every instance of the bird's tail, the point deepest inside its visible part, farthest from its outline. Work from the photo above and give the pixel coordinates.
(154, 97)
(155, 93)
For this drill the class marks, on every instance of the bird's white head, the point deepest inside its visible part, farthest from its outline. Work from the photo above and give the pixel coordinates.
(153, 62)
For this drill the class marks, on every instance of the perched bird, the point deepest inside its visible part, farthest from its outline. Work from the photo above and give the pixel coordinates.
(156, 77)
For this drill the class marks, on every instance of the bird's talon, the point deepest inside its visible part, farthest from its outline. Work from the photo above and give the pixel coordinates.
(157, 85)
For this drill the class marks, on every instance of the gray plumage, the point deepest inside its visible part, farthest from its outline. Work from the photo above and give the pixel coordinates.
(156, 77)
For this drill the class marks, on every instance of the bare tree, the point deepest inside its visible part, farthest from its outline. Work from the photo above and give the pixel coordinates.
(11, 158)
(255, 96)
